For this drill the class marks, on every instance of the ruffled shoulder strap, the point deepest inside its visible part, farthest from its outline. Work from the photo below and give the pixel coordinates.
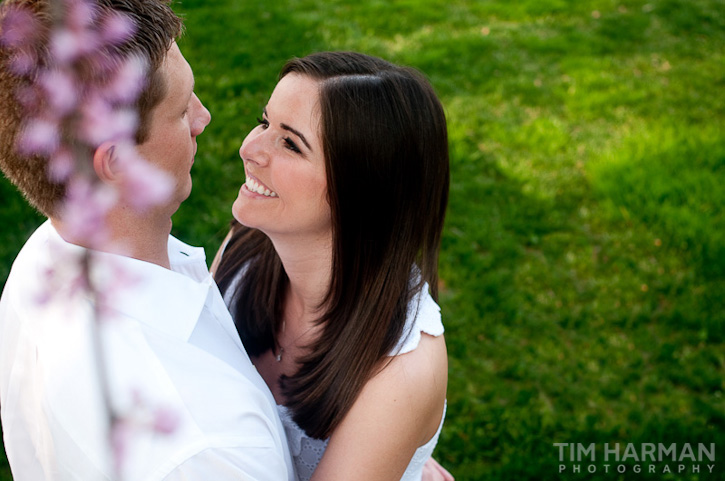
(424, 315)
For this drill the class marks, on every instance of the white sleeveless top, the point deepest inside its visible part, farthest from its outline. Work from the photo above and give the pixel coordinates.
(424, 315)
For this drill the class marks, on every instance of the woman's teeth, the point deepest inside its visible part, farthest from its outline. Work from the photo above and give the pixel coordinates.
(256, 187)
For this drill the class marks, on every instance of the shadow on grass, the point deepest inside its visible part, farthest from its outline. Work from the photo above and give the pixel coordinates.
(568, 328)
(492, 223)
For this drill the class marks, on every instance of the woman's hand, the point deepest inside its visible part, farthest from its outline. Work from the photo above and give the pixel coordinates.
(432, 471)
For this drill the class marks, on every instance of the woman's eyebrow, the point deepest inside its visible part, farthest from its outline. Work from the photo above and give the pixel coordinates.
(297, 133)
(293, 130)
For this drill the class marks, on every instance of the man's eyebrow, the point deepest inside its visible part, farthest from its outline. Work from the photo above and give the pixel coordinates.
(290, 129)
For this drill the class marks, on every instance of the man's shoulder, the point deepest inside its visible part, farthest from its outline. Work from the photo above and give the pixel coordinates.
(32, 266)
(38, 240)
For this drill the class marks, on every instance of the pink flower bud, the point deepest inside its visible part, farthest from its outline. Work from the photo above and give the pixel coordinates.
(165, 420)
(39, 136)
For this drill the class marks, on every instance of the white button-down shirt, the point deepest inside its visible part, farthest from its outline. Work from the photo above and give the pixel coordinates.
(172, 359)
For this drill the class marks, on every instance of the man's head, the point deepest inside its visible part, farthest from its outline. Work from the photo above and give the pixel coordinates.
(173, 126)
(156, 29)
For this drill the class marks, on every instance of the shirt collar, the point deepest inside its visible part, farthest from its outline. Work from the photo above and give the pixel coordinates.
(166, 300)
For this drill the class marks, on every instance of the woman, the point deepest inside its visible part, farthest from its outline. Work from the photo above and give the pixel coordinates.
(331, 270)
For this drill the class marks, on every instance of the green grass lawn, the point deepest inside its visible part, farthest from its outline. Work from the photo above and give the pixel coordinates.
(583, 263)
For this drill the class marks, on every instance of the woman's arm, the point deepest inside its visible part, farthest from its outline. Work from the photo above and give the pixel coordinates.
(398, 410)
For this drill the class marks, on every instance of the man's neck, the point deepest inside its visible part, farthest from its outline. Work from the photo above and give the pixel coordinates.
(142, 237)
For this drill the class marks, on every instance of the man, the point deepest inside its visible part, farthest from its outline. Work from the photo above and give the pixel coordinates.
(170, 358)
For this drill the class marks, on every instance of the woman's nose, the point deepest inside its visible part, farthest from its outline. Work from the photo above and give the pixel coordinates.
(254, 148)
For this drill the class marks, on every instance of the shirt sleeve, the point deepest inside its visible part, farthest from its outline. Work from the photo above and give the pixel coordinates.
(232, 464)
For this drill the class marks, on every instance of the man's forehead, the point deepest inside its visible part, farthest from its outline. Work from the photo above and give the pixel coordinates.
(178, 71)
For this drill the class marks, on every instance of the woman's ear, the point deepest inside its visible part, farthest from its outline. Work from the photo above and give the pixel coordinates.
(105, 162)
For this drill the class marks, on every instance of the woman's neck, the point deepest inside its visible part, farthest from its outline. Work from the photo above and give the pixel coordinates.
(308, 265)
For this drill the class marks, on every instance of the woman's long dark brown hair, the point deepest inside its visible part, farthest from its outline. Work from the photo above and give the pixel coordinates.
(386, 155)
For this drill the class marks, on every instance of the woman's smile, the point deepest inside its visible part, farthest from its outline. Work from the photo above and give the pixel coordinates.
(254, 186)
(285, 191)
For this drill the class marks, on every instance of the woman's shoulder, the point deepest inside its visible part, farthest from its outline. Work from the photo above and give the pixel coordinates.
(416, 372)
(411, 387)
(405, 399)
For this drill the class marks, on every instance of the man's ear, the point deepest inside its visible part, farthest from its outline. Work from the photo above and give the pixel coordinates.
(105, 162)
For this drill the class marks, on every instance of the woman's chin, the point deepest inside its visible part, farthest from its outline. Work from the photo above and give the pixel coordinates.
(241, 212)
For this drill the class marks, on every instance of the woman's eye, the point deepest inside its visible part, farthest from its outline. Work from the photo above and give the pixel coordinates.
(288, 142)
(291, 145)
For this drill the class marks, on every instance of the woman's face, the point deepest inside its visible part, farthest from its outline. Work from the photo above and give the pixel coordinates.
(285, 192)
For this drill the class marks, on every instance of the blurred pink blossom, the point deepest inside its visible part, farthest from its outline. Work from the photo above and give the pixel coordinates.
(23, 62)
(80, 14)
(60, 87)
(65, 46)
(128, 82)
(19, 28)
(116, 279)
(87, 92)
(166, 420)
(142, 416)
(29, 97)
(61, 165)
(160, 418)
(120, 438)
(39, 136)
(85, 209)
(68, 45)
(145, 185)
(117, 28)
(101, 122)
(46, 291)
(66, 278)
